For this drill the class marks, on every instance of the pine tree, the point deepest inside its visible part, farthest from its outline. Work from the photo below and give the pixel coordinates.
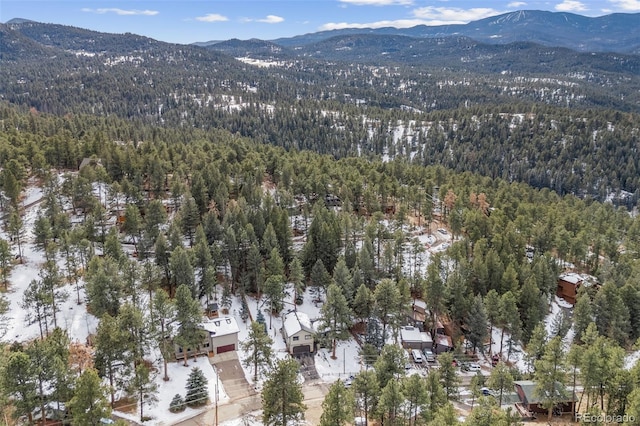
(387, 304)
(162, 323)
(477, 323)
(197, 389)
(258, 348)
(109, 345)
(342, 278)
(448, 374)
(19, 380)
(5, 263)
(509, 318)
(89, 403)
(390, 364)
(389, 405)
(188, 318)
(416, 396)
(500, 380)
(550, 375)
(282, 397)
(177, 404)
(320, 278)
(296, 276)
(335, 317)
(337, 407)
(182, 271)
(367, 392)
(363, 303)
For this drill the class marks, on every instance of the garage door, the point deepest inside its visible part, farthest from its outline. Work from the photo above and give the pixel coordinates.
(302, 349)
(225, 348)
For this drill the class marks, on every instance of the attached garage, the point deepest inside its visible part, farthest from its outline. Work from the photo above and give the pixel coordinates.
(225, 348)
(299, 350)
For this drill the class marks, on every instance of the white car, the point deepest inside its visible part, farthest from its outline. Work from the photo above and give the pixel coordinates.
(474, 367)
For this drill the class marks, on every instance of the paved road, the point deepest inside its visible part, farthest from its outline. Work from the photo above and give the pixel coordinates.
(314, 393)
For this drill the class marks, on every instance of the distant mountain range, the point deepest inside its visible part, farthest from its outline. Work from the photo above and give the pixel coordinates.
(617, 32)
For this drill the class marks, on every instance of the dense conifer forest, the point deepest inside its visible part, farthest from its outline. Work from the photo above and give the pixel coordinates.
(226, 180)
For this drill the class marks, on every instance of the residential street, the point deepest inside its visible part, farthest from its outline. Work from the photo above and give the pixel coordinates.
(314, 393)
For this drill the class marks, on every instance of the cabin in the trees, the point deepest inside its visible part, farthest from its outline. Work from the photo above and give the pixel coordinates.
(570, 283)
(298, 334)
(442, 343)
(219, 335)
(412, 338)
(530, 403)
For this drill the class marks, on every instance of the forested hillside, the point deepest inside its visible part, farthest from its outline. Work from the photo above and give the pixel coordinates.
(562, 120)
(145, 184)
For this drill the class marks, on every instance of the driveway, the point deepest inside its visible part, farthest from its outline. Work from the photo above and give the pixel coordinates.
(232, 375)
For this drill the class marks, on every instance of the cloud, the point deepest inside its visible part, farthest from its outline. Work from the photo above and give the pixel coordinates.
(629, 5)
(516, 4)
(400, 23)
(453, 15)
(378, 2)
(271, 19)
(122, 12)
(571, 6)
(422, 16)
(212, 17)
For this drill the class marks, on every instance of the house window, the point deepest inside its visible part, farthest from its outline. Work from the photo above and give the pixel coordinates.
(307, 337)
(296, 338)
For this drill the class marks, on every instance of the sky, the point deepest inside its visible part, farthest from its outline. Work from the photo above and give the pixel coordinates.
(188, 21)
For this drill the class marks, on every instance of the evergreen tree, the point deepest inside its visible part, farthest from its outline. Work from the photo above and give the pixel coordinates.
(5, 263)
(296, 276)
(363, 303)
(109, 350)
(177, 404)
(188, 318)
(390, 364)
(390, 403)
(500, 380)
(89, 403)
(258, 348)
(104, 287)
(342, 278)
(550, 375)
(335, 317)
(282, 397)
(337, 407)
(448, 374)
(611, 314)
(320, 278)
(162, 324)
(18, 379)
(197, 389)
(416, 397)
(387, 304)
(509, 318)
(477, 323)
(367, 392)
(182, 272)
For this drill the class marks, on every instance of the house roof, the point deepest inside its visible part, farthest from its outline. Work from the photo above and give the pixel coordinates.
(572, 278)
(529, 390)
(413, 334)
(221, 326)
(444, 340)
(295, 321)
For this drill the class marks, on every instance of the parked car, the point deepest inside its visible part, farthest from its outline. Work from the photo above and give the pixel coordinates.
(485, 391)
(348, 381)
(429, 355)
(474, 367)
(417, 356)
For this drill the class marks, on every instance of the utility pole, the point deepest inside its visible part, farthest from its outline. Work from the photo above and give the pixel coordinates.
(216, 397)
